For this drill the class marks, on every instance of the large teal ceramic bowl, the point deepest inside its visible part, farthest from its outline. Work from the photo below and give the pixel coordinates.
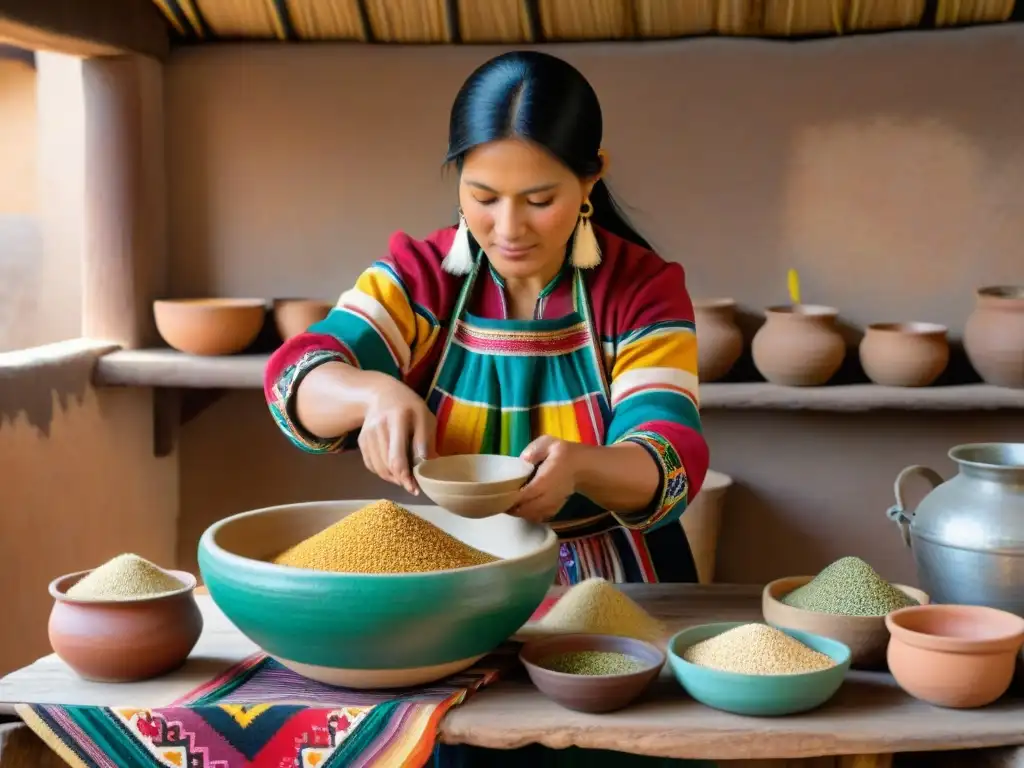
(758, 695)
(368, 630)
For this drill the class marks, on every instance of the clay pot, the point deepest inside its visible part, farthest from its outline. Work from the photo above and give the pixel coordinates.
(799, 345)
(866, 636)
(994, 336)
(703, 521)
(294, 316)
(591, 693)
(123, 641)
(958, 656)
(904, 354)
(209, 326)
(719, 340)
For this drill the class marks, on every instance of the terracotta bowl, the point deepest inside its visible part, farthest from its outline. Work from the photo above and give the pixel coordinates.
(471, 475)
(866, 636)
(591, 693)
(294, 316)
(476, 507)
(121, 641)
(209, 326)
(959, 656)
(904, 354)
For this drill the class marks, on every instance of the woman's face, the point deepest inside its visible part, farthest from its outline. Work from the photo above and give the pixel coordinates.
(521, 204)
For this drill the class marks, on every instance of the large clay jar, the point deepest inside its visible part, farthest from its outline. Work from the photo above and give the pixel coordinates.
(994, 336)
(719, 340)
(904, 354)
(799, 345)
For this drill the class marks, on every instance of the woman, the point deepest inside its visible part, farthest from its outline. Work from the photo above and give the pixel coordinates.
(542, 326)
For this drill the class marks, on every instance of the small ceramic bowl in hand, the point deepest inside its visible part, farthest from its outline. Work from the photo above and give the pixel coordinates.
(121, 641)
(478, 507)
(866, 636)
(758, 695)
(591, 693)
(958, 656)
(452, 477)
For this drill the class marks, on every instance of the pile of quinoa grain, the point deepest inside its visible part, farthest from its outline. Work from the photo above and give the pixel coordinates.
(596, 607)
(382, 538)
(598, 663)
(125, 577)
(849, 587)
(757, 649)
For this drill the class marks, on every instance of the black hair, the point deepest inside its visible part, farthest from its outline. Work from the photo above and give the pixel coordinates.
(548, 101)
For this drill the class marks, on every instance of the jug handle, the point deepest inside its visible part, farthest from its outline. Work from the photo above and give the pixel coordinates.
(898, 512)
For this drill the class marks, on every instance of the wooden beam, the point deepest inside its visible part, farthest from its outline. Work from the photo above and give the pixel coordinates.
(124, 264)
(85, 27)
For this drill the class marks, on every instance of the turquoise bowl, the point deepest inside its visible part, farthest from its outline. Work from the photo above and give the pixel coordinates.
(370, 630)
(757, 695)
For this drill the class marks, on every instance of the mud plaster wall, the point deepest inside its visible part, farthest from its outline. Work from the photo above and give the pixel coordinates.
(79, 480)
(889, 170)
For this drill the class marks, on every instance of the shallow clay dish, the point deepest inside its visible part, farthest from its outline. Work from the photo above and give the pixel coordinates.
(758, 695)
(866, 636)
(471, 475)
(477, 507)
(375, 630)
(294, 316)
(120, 641)
(209, 326)
(959, 656)
(591, 693)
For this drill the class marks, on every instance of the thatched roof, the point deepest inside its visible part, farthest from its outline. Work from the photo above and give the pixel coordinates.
(103, 27)
(522, 21)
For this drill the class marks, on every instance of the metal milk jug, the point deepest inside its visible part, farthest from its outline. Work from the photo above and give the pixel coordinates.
(967, 534)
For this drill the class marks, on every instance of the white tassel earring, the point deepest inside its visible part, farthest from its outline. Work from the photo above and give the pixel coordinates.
(586, 251)
(459, 260)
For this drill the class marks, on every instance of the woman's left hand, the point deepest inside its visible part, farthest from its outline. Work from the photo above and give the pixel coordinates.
(554, 481)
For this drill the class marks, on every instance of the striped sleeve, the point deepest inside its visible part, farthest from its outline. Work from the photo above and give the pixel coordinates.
(654, 391)
(387, 322)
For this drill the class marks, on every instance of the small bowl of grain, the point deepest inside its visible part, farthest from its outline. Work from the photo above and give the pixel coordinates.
(124, 621)
(847, 601)
(592, 673)
(757, 670)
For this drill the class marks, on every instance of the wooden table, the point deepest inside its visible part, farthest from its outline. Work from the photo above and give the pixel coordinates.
(868, 721)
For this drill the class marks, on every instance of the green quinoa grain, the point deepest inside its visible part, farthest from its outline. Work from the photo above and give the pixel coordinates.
(593, 663)
(849, 587)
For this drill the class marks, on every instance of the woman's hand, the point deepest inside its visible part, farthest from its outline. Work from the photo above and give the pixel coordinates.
(554, 481)
(398, 426)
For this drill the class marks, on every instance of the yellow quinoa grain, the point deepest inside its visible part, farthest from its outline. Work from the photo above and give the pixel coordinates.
(382, 538)
(123, 578)
(757, 649)
(595, 606)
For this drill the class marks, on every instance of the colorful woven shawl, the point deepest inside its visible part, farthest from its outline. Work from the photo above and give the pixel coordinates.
(259, 714)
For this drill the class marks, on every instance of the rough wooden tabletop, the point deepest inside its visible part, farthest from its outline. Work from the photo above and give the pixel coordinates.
(869, 715)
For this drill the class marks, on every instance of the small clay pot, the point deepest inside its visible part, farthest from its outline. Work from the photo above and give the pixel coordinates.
(591, 693)
(209, 326)
(994, 336)
(799, 345)
(294, 316)
(960, 656)
(120, 641)
(471, 475)
(866, 636)
(719, 339)
(904, 354)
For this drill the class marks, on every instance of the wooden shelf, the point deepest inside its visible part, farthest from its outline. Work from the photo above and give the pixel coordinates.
(169, 369)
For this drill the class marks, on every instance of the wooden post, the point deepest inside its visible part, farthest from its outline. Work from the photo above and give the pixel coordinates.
(125, 251)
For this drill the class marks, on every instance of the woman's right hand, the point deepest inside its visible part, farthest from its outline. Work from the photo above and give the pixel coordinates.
(397, 430)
